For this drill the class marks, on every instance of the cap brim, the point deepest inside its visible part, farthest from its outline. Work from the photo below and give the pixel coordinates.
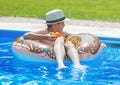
(65, 20)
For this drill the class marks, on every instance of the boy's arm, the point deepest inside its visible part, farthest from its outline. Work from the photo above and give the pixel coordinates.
(38, 36)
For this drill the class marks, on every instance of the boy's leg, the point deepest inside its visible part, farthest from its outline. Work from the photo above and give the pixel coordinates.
(73, 54)
(59, 52)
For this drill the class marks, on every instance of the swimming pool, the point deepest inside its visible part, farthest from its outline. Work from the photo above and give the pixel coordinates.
(104, 70)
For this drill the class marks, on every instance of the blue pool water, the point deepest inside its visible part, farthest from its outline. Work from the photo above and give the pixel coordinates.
(104, 70)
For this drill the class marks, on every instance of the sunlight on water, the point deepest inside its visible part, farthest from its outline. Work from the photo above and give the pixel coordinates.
(17, 72)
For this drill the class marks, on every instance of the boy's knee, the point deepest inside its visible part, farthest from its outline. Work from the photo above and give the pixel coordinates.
(59, 40)
(69, 44)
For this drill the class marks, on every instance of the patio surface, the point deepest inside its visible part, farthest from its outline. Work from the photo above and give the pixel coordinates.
(98, 28)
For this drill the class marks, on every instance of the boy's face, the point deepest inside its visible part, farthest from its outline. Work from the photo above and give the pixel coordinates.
(58, 27)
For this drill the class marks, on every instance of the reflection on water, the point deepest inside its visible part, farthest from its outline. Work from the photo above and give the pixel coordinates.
(77, 74)
(71, 73)
(13, 71)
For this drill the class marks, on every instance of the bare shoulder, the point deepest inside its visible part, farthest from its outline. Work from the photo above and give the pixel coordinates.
(65, 33)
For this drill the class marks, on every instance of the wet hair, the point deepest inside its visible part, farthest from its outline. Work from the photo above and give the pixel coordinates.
(49, 26)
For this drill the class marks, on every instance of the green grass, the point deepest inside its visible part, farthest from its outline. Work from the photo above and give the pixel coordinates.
(106, 10)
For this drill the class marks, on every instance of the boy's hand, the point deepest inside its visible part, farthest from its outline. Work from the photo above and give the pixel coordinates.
(27, 35)
(51, 38)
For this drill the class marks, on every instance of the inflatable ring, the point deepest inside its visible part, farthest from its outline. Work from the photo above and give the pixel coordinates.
(32, 50)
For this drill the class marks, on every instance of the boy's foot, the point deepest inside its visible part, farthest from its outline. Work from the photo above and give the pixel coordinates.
(62, 67)
(81, 67)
